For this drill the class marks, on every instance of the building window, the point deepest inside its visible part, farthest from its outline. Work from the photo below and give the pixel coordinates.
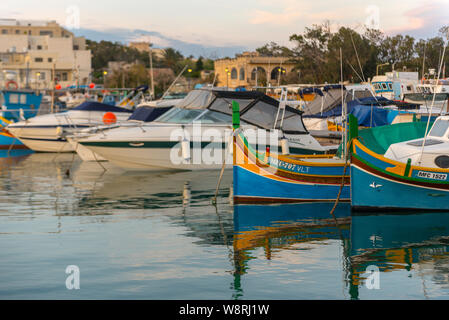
(46, 33)
(76, 47)
(257, 73)
(38, 60)
(242, 74)
(17, 31)
(50, 59)
(39, 47)
(65, 76)
(23, 98)
(234, 73)
(4, 31)
(14, 98)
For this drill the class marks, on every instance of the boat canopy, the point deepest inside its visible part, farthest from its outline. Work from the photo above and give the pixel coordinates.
(97, 106)
(379, 139)
(310, 90)
(148, 114)
(333, 87)
(256, 108)
(368, 111)
(332, 99)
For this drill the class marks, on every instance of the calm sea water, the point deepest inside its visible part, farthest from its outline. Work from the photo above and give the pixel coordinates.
(157, 236)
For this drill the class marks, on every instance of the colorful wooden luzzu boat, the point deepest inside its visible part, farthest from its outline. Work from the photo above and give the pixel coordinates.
(381, 183)
(273, 178)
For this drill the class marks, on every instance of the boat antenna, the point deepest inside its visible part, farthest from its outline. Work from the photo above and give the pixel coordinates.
(357, 55)
(434, 97)
(174, 81)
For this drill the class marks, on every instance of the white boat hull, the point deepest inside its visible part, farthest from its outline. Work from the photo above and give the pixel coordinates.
(53, 146)
(48, 133)
(157, 159)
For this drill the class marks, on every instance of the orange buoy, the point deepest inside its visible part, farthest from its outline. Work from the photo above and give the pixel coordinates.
(109, 118)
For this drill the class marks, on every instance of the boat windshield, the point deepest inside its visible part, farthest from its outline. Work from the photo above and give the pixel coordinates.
(178, 115)
(439, 128)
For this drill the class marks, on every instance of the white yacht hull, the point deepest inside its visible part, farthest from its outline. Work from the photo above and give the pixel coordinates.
(52, 146)
(48, 133)
(159, 147)
(157, 159)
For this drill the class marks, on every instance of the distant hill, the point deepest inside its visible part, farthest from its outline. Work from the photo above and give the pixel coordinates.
(160, 41)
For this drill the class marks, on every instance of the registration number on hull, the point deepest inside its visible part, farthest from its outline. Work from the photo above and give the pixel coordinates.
(432, 175)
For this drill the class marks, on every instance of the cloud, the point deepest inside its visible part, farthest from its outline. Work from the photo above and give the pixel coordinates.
(266, 17)
(423, 20)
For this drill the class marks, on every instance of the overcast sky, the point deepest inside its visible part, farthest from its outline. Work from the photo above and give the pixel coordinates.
(236, 22)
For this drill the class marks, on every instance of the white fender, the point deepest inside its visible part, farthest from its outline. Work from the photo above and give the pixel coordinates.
(185, 147)
(285, 146)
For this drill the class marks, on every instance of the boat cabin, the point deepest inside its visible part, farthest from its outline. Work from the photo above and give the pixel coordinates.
(20, 104)
(432, 152)
(215, 107)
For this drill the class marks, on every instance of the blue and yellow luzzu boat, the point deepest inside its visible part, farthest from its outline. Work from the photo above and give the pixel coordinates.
(381, 183)
(271, 177)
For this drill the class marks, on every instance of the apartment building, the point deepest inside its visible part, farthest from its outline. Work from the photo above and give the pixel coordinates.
(40, 54)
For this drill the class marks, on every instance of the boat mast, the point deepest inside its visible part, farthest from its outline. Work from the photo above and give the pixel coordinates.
(434, 97)
(151, 73)
(344, 111)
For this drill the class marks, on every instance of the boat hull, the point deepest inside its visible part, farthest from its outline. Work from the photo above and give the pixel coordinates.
(47, 145)
(383, 184)
(9, 142)
(276, 179)
(150, 157)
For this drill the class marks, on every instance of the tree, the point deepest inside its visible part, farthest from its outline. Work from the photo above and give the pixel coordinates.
(199, 66)
(172, 59)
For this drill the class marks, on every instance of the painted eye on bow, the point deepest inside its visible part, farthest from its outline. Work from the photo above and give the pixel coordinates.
(442, 162)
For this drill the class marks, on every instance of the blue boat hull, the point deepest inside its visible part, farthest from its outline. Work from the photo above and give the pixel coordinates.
(372, 192)
(7, 142)
(249, 185)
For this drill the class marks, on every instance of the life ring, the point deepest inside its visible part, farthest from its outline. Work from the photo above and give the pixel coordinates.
(109, 118)
(11, 82)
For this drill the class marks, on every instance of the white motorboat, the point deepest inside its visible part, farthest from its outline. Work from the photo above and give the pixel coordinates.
(145, 112)
(47, 133)
(196, 134)
(431, 91)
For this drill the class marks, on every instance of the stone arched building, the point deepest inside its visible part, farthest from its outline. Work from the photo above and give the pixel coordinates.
(249, 69)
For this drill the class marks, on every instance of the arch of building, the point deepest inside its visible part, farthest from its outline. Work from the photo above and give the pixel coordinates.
(276, 72)
(242, 74)
(258, 71)
(234, 74)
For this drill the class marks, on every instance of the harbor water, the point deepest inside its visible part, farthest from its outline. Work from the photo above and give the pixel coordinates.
(141, 235)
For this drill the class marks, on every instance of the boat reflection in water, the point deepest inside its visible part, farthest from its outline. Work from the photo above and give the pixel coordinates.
(416, 244)
(12, 157)
(283, 227)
